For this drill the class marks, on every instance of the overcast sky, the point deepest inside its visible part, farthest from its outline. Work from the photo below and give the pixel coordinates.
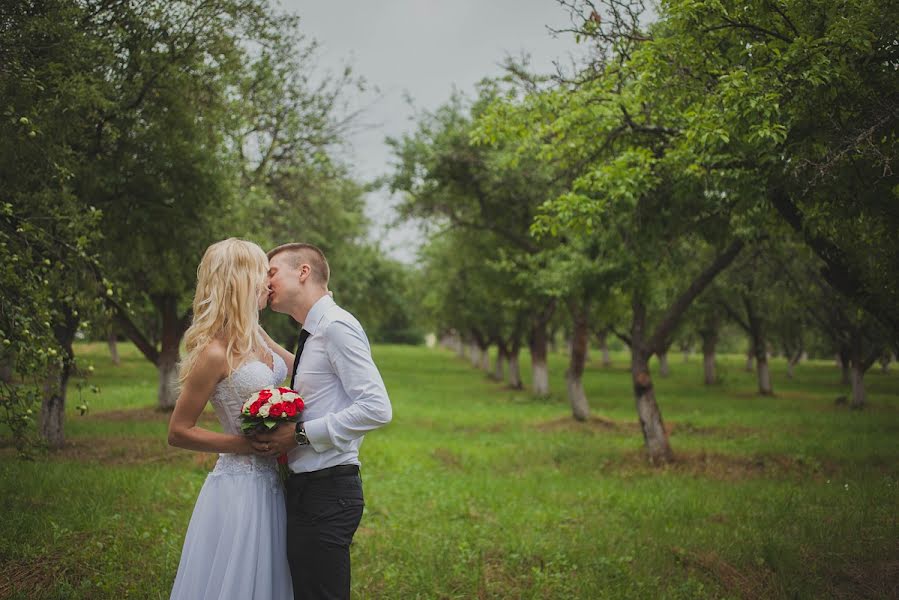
(422, 48)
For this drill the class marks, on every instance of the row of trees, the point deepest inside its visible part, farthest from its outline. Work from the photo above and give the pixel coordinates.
(135, 134)
(728, 161)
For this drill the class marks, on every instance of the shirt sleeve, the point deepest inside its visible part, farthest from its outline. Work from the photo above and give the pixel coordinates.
(350, 356)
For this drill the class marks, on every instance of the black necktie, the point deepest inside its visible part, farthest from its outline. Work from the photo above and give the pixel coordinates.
(304, 335)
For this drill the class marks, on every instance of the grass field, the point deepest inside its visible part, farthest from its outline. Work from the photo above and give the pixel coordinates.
(478, 491)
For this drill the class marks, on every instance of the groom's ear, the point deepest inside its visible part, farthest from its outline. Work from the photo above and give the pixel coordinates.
(305, 271)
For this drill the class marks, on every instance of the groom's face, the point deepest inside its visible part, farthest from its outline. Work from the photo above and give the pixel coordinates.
(284, 282)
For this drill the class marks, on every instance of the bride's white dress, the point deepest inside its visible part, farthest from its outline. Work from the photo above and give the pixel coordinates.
(236, 543)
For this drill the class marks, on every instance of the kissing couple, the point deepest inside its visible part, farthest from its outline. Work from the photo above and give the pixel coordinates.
(250, 537)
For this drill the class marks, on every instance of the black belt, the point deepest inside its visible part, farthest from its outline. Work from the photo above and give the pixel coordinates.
(338, 471)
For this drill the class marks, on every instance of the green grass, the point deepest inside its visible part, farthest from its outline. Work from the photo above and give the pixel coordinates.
(476, 490)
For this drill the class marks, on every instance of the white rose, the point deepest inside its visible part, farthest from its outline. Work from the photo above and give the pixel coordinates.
(263, 410)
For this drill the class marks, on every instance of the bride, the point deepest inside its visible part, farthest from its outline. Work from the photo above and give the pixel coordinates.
(235, 545)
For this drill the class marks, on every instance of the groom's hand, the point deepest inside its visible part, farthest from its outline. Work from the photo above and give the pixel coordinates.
(281, 440)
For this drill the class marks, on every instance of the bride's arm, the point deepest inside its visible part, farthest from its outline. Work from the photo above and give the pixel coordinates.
(210, 368)
(284, 354)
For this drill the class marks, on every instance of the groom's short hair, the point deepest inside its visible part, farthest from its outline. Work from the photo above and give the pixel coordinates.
(299, 253)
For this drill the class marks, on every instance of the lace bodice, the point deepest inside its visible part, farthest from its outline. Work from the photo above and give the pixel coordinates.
(228, 399)
(233, 391)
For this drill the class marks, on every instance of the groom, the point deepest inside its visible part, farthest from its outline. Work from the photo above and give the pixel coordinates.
(345, 398)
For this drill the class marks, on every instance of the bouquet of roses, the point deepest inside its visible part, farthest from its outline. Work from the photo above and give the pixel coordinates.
(269, 406)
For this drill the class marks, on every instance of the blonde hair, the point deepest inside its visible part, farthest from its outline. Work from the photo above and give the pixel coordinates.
(230, 278)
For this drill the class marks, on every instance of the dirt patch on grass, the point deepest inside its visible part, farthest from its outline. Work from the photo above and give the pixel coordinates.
(124, 451)
(744, 583)
(447, 458)
(722, 467)
(597, 424)
(729, 431)
(592, 424)
(872, 579)
(148, 414)
(36, 577)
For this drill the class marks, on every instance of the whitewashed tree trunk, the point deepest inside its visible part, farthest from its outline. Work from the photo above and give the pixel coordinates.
(515, 371)
(764, 376)
(499, 372)
(664, 369)
(540, 377)
(168, 380)
(485, 359)
(538, 346)
(113, 349)
(474, 353)
(580, 410)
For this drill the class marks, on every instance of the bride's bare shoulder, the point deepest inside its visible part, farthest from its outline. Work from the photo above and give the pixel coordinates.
(213, 358)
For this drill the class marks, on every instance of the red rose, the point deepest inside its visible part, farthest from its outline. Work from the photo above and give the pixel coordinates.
(298, 404)
(290, 409)
(282, 459)
(254, 408)
(275, 410)
(264, 394)
(285, 390)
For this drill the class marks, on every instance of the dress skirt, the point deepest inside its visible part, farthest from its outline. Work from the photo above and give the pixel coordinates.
(236, 543)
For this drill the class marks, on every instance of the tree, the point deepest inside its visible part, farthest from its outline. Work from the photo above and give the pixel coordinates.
(806, 95)
(48, 83)
(196, 83)
(449, 179)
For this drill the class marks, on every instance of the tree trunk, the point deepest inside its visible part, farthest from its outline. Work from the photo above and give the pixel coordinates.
(485, 358)
(113, 348)
(885, 363)
(53, 403)
(580, 409)
(168, 379)
(764, 376)
(537, 345)
(53, 407)
(499, 373)
(664, 369)
(844, 365)
(169, 353)
(654, 435)
(709, 342)
(858, 386)
(758, 345)
(750, 359)
(603, 338)
(515, 370)
(474, 353)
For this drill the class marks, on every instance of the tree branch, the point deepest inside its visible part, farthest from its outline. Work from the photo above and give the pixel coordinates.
(682, 303)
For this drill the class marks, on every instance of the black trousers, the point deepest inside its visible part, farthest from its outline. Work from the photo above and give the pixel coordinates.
(323, 514)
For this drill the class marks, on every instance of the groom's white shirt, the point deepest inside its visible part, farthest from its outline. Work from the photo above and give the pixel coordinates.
(341, 387)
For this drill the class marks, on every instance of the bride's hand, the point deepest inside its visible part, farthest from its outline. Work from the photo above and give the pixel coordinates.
(261, 448)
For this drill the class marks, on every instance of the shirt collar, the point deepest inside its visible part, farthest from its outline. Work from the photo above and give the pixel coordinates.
(316, 313)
